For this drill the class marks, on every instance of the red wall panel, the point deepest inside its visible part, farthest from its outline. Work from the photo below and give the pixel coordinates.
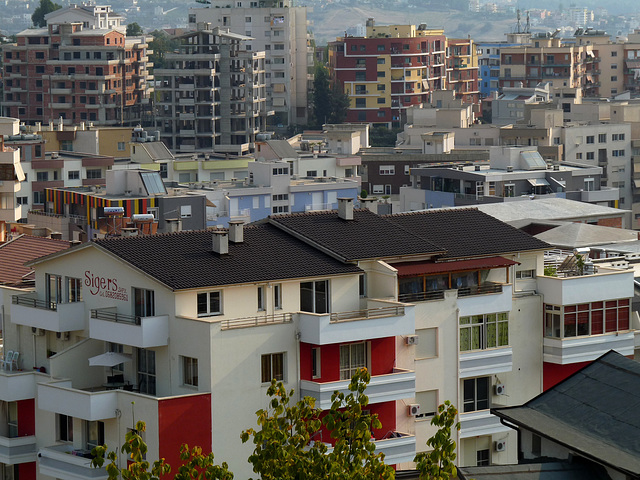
(26, 417)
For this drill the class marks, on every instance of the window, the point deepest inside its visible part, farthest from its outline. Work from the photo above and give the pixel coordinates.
(380, 49)
(12, 419)
(361, 102)
(272, 367)
(617, 153)
(586, 319)
(602, 138)
(428, 402)
(65, 428)
(387, 170)
(117, 348)
(74, 174)
(280, 197)
(381, 74)
(121, 146)
(427, 346)
(42, 176)
(476, 394)
(617, 137)
(185, 211)
(190, 371)
(521, 274)
(483, 457)
(53, 289)
(614, 54)
(353, 357)
(591, 156)
(209, 303)
(378, 189)
(381, 87)
(94, 434)
(315, 362)
(261, 299)
(479, 332)
(362, 285)
(277, 296)
(74, 290)
(590, 139)
(314, 296)
(22, 200)
(281, 171)
(147, 371)
(38, 197)
(93, 173)
(614, 78)
(143, 302)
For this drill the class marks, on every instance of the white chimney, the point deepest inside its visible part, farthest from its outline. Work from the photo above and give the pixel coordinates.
(220, 242)
(236, 231)
(345, 208)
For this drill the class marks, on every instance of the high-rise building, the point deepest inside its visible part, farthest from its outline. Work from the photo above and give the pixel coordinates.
(280, 29)
(211, 95)
(80, 67)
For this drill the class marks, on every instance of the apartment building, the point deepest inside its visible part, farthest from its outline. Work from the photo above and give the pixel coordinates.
(462, 69)
(389, 70)
(489, 66)
(278, 28)
(212, 93)
(11, 174)
(80, 67)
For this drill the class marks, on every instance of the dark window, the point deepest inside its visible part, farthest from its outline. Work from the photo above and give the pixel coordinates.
(476, 394)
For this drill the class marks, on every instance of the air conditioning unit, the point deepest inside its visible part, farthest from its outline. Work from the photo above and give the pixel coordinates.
(500, 389)
(62, 335)
(413, 409)
(37, 331)
(411, 340)
(501, 446)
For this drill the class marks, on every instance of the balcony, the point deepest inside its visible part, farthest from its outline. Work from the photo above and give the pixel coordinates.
(398, 448)
(61, 397)
(56, 317)
(16, 385)
(605, 194)
(142, 332)
(398, 385)
(17, 450)
(564, 351)
(485, 298)
(387, 320)
(486, 362)
(482, 422)
(63, 461)
(587, 288)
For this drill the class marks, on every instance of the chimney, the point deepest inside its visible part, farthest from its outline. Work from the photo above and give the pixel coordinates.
(220, 242)
(345, 208)
(173, 225)
(236, 231)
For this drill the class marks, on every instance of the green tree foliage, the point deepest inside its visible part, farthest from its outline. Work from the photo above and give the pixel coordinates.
(439, 463)
(161, 44)
(196, 466)
(383, 137)
(283, 446)
(330, 103)
(46, 6)
(134, 30)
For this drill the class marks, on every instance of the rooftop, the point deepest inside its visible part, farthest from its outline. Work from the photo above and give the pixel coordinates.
(14, 254)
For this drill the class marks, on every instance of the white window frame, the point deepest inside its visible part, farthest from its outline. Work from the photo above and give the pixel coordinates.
(189, 371)
(209, 311)
(185, 211)
(268, 367)
(387, 170)
(351, 360)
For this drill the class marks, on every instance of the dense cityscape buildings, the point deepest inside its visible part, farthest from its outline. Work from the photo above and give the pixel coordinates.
(175, 236)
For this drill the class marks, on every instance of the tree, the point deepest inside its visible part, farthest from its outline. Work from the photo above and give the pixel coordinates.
(340, 103)
(439, 463)
(196, 466)
(162, 43)
(46, 6)
(134, 30)
(284, 449)
(321, 94)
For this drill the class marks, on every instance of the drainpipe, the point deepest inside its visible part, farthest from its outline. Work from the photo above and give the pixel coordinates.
(458, 377)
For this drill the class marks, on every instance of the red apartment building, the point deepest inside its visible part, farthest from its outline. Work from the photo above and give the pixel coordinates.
(77, 74)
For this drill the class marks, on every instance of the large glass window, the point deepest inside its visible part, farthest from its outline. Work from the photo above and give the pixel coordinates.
(272, 367)
(147, 371)
(54, 289)
(65, 428)
(209, 304)
(144, 302)
(74, 289)
(479, 332)
(476, 394)
(314, 296)
(352, 358)
(94, 434)
(584, 319)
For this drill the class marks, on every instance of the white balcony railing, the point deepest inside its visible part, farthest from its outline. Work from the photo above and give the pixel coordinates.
(63, 461)
(486, 362)
(141, 332)
(17, 450)
(56, 317)
(586, 349)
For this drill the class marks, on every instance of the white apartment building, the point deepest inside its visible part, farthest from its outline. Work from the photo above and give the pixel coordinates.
(280, 30)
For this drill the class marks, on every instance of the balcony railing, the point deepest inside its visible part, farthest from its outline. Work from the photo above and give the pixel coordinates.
(482, 289)
(116, 317)
(421, 296)
(257, 321)
(367, 314)
(34, 303)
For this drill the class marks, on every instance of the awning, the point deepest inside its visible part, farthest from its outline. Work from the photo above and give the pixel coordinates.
(590, 54)
(413, 269)
(636, 183)
(632, 63)
(109, 359)
(538, 182)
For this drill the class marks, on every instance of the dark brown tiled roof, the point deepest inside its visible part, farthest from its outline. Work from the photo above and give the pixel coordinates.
(186, 260)
(466, 232)
(366, 236)
(15, 253)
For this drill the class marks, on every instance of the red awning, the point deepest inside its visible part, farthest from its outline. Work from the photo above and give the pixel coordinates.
(413, 269)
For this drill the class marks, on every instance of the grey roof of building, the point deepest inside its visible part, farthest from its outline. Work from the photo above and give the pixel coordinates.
(367, 236)
(594, 413)
(157, 150)
(573, 235)
(282, 148)
(546, 209)
(185, 260)
(466, 232)
(531, 471)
